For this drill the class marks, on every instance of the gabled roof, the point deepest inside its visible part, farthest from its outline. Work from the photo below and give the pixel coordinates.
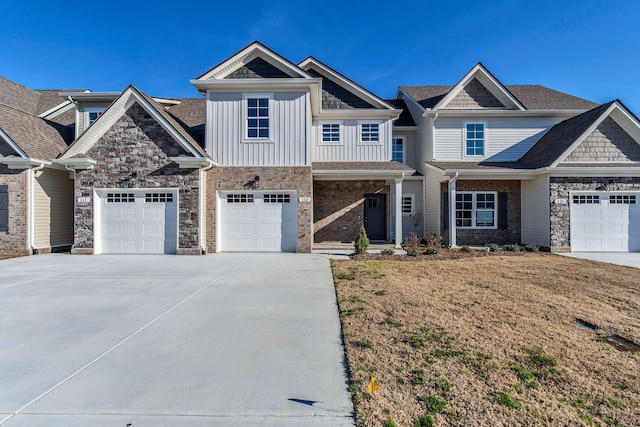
(485, 78)
(339, 91)
(532, 97)
(246, 55)
(117, 108)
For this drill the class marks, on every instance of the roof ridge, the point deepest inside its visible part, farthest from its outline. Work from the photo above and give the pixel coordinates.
(18, 109)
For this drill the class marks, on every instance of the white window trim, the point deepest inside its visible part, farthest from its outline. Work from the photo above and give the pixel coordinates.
(404, 147)
(474, 209)
(245, 97)
(372, 122)
(413, 204)
(88, 110)
(464, 139)
(340, 130)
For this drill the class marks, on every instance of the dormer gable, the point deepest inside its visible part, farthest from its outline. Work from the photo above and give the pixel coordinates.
(254, 61)
(479, 89)
(613, 137)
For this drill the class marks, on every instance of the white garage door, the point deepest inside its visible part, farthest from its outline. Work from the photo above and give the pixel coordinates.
(256, 221)
(139, 222)
(605, 222)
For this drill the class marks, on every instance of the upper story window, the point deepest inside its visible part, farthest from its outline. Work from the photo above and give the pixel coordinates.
(370, 133)
(476, 210)
(257, 116)
(397, 150)
(91, 115)
(331, 133)
(474, 139)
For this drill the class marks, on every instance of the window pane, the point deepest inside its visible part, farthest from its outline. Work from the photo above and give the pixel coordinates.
(252, 133)
(252, 102)
(264, 133)
(264, 102)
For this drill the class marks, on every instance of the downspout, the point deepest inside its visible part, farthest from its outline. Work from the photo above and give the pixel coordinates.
(451, 188)
(32, 216)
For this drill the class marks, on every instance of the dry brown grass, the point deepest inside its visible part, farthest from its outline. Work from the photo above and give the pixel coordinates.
(477, 332)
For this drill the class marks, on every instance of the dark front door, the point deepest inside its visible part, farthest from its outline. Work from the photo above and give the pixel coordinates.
(375, 212)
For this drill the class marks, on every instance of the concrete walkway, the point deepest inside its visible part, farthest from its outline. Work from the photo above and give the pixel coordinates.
(216, 340)
(628, 259)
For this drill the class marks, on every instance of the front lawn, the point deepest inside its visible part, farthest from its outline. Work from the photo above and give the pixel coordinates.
(490, 341)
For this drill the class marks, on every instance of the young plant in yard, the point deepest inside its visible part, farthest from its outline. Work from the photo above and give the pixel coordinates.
(412, 252)
(493, 247)
(432, 251)
(387, 252)
(465, 248)
(505, 399)
(531, 248)
(410, 242)
(361, 244)
(513, 247)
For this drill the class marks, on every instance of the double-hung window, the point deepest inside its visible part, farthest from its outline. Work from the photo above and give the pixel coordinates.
(257, 117)
(397, 150)
(369, 133)
(475, 139)
(330, 133)
(476, 210)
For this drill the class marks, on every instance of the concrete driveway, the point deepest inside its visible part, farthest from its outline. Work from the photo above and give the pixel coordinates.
(628, 259)
(224, 339)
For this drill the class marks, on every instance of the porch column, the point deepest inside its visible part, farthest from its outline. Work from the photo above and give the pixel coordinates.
(398, 210)
(452, 212)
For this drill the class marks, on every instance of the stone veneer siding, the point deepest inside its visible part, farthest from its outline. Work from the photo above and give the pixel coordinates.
(137, 143)
(15, 241)
(560, 217)
(607, 143)
(338, 208)
(237, 178)
(479, 236)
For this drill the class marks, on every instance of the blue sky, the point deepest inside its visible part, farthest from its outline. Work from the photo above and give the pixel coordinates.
(588, 48)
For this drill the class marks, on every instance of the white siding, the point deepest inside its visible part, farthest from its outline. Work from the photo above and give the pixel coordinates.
(225, 131)
(53, 209)
(535, 211)
(351, 150)
(422, 148)
(409, 146)
(415, 188)
(506, 139)
(432, 201)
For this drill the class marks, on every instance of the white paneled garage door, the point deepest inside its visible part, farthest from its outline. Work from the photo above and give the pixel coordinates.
(605, 222)
(258, 221)
(138, 222)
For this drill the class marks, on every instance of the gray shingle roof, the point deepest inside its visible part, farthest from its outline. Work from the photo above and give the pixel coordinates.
(405, 118)
(560, 137)
(533, 97)
(335, 96)
(190, 113)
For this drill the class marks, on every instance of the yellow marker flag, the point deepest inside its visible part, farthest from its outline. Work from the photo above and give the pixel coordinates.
(373, 385)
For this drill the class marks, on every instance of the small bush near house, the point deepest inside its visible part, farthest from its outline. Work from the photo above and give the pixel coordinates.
(413, 252)
(361, 244)
(433, 240)
(387, 252)
(493, 247)
(410, 242)
(513, 247)
(532, 248)
(432, 251)
(465, 248)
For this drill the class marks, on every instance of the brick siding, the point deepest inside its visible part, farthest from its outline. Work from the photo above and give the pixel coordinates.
(15, 241)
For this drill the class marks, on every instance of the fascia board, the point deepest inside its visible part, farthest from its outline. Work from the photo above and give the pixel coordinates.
(91, 96)
(58, 107)
(252, 51)
(593, 171)
(347, 83)
(192, 162)
(503, 113)
(584, 135)
(12, 144)
(22, 163)
(253, 84)
(76, 163)
(360, 172)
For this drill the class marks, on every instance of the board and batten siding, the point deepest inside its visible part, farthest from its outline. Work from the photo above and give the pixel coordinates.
(535, 225)
(415, 188)
(432, 198)
(53, 209)
(351, 149)
(506, 139)
(289, 123)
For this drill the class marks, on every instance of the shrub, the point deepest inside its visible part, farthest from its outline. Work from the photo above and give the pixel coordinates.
(387, 252)
(425, 420)
(532, 248)
(465, 248)
(433, 240)
(503, 398)
(514, 247)
(432, 251)
(493, 247)
(411, 241)
(434, 404)
(361, 244)
(413, 252)
(389, 423)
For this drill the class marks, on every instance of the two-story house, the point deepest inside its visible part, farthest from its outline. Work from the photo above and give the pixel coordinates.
(291, 154)
(509, 164)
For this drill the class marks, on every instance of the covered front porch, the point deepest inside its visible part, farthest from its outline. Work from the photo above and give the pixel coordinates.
(348, 195)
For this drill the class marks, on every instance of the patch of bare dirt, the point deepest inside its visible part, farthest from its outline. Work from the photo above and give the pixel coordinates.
(5, 256)
(490, 341)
